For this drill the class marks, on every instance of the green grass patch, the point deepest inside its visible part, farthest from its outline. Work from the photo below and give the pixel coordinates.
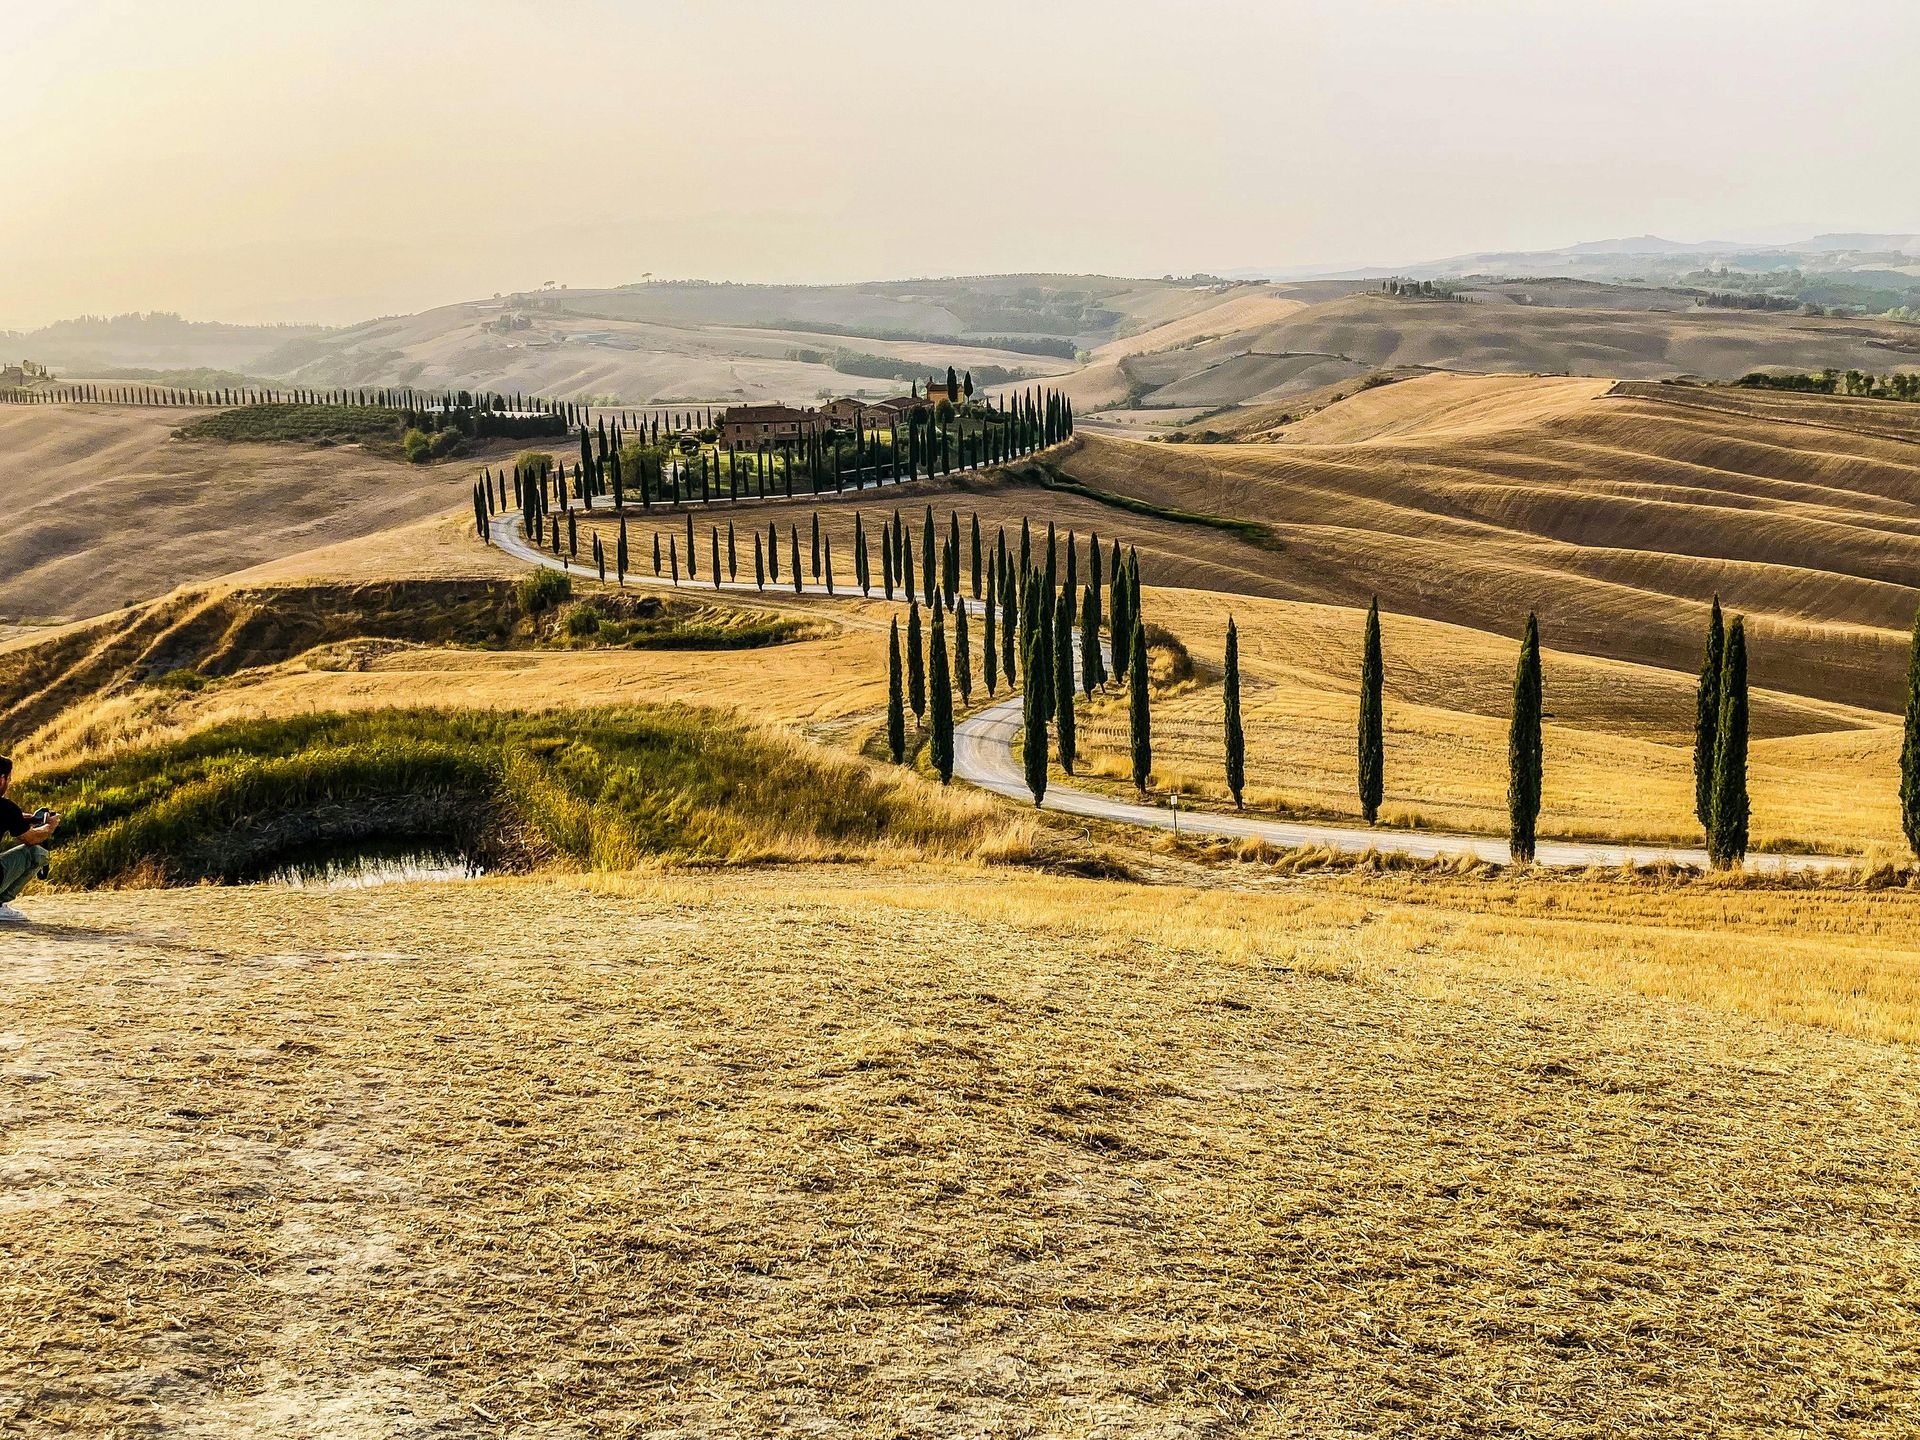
(301, 424)
(1050, 477)
(601, 789)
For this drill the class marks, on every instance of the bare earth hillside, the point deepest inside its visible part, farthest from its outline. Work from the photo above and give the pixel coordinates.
(107, 508)
(1474, 499)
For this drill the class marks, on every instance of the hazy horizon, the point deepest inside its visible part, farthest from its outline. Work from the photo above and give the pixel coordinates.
(334, 163)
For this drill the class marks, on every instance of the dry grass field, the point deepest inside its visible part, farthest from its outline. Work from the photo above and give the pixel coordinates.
(946, 1153)
(108, 509)
(1619, 736)
(1473, 499)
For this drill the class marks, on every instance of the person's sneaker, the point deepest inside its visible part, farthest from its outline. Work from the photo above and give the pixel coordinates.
(11, 916)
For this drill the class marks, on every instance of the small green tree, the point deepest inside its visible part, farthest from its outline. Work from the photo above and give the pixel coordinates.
(1372, 720)
(1727, 835)
(1706, 716)
(1139, 721)
(1910, 748)
(1236, 740)
(1524, 754)
(896, 711)
(940, 698)
(916, 664)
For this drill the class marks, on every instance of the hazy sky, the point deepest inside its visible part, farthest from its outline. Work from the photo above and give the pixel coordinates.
(298, 160)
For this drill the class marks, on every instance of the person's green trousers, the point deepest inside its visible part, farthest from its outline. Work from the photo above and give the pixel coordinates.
(17, 866)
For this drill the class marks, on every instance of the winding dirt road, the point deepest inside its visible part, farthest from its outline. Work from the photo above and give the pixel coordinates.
(983, 756)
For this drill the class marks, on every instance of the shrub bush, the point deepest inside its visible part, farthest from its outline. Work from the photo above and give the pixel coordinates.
(542, 590)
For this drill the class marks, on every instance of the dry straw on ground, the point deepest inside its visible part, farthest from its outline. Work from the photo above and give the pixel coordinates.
(932, 1153)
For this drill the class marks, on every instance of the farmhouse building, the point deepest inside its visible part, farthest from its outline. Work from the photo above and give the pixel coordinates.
(768, 424)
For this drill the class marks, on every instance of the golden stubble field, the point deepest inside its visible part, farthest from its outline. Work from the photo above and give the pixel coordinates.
(901, 1152)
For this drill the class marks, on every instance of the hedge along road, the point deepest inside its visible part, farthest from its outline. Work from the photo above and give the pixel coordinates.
(983, 756)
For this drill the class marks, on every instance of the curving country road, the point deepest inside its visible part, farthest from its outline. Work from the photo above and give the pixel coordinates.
(983, 756)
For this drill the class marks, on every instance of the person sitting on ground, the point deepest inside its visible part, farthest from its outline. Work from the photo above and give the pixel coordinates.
(22, 862)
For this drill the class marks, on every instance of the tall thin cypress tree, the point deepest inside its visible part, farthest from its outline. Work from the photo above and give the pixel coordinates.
(1139, 722)
(1090, 674)
(1706, 716)
(693, 570)
(759, 564)
(1910, 748)
(620, 552)
(1727, 836)
(656, 554)
(815, 572)
(773, 552)
(989, 640)
(793, 539)
(1120, 623)
(906, 565)
(940, 698)
(976, 554)
(929, 562)
(886, 568)
(1524, 753)
(1372, 720)
(1041, 675)
(962, 660)
(1236, 740)
(1063, 680)
(1009, 620)
(896, 711)
(1034, 742)
(713, 540)
(916, 665)
(733, 566)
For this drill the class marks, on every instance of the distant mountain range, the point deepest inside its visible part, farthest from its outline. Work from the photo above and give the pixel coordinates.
(1641, 257)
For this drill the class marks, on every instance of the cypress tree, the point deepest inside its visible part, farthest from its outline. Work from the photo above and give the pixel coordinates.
(1034, 722)
(693, 570)
(1524, 753)
(1910, 748)
(1706, 716)
(656, 554)
(896, 711)
(1009, 619)
(940, 699)
(713, 541)
(1139, 722)
(962, 660)
(793, 539)
(976, 554)
(929, 580)
(886, 568)
(816, 545)
(1063, 680)
(989, 645)
(1372, 723)
(1089, 639)
(1727, 836)
(1040, 673)
(759, 564)
(916, 666)
(773, 552)
(673, 558)
(1120, 620)
(600, 559)
(733, 568)
(620, 552)
(953, 556)
(828, 552)
(1236, 740)
(906, 566)
(862, 573)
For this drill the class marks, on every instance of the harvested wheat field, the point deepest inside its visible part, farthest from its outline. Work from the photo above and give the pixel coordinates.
(1471, 499)
(950, 1153)
(1619, 737)
(112, 510)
